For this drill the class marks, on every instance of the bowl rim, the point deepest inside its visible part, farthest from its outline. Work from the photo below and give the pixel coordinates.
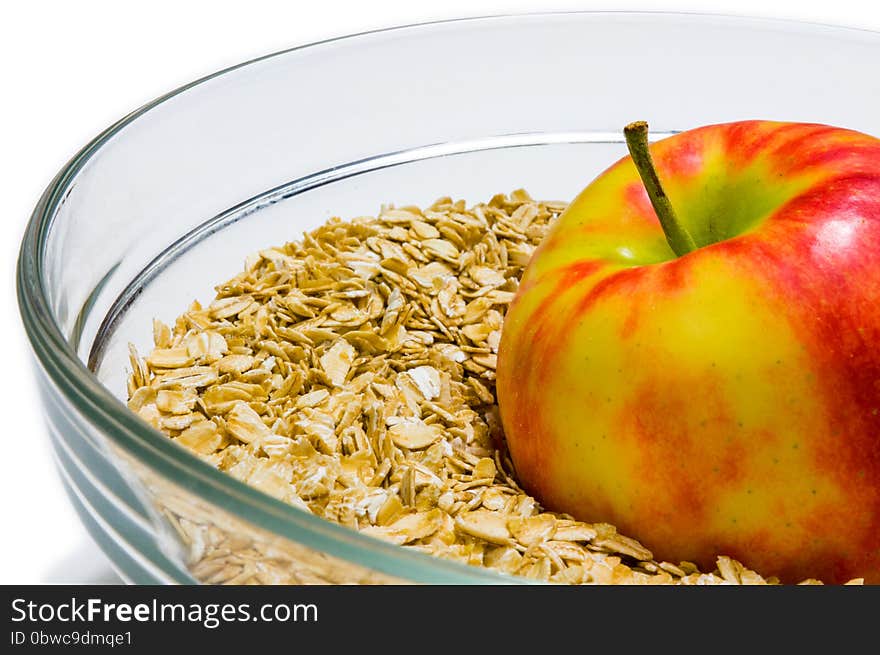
(70, 376)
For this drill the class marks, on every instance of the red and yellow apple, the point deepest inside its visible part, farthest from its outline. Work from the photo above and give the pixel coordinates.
(713, 390)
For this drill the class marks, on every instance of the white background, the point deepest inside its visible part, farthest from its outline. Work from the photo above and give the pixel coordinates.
(69, 69)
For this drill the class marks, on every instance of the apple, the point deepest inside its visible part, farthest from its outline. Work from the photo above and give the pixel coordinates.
(698, 362)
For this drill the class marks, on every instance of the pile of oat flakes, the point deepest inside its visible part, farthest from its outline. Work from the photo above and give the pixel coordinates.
(352, 374)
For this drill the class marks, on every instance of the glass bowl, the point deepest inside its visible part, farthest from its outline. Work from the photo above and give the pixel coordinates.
(169, 201)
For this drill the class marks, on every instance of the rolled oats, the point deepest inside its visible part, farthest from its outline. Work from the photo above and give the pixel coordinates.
(351, 374)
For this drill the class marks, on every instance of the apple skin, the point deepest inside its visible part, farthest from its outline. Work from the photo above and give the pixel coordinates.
(726, 402)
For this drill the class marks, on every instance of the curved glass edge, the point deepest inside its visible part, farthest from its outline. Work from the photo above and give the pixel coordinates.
(60, 363)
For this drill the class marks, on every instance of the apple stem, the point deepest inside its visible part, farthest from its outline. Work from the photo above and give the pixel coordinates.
(678, 238)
